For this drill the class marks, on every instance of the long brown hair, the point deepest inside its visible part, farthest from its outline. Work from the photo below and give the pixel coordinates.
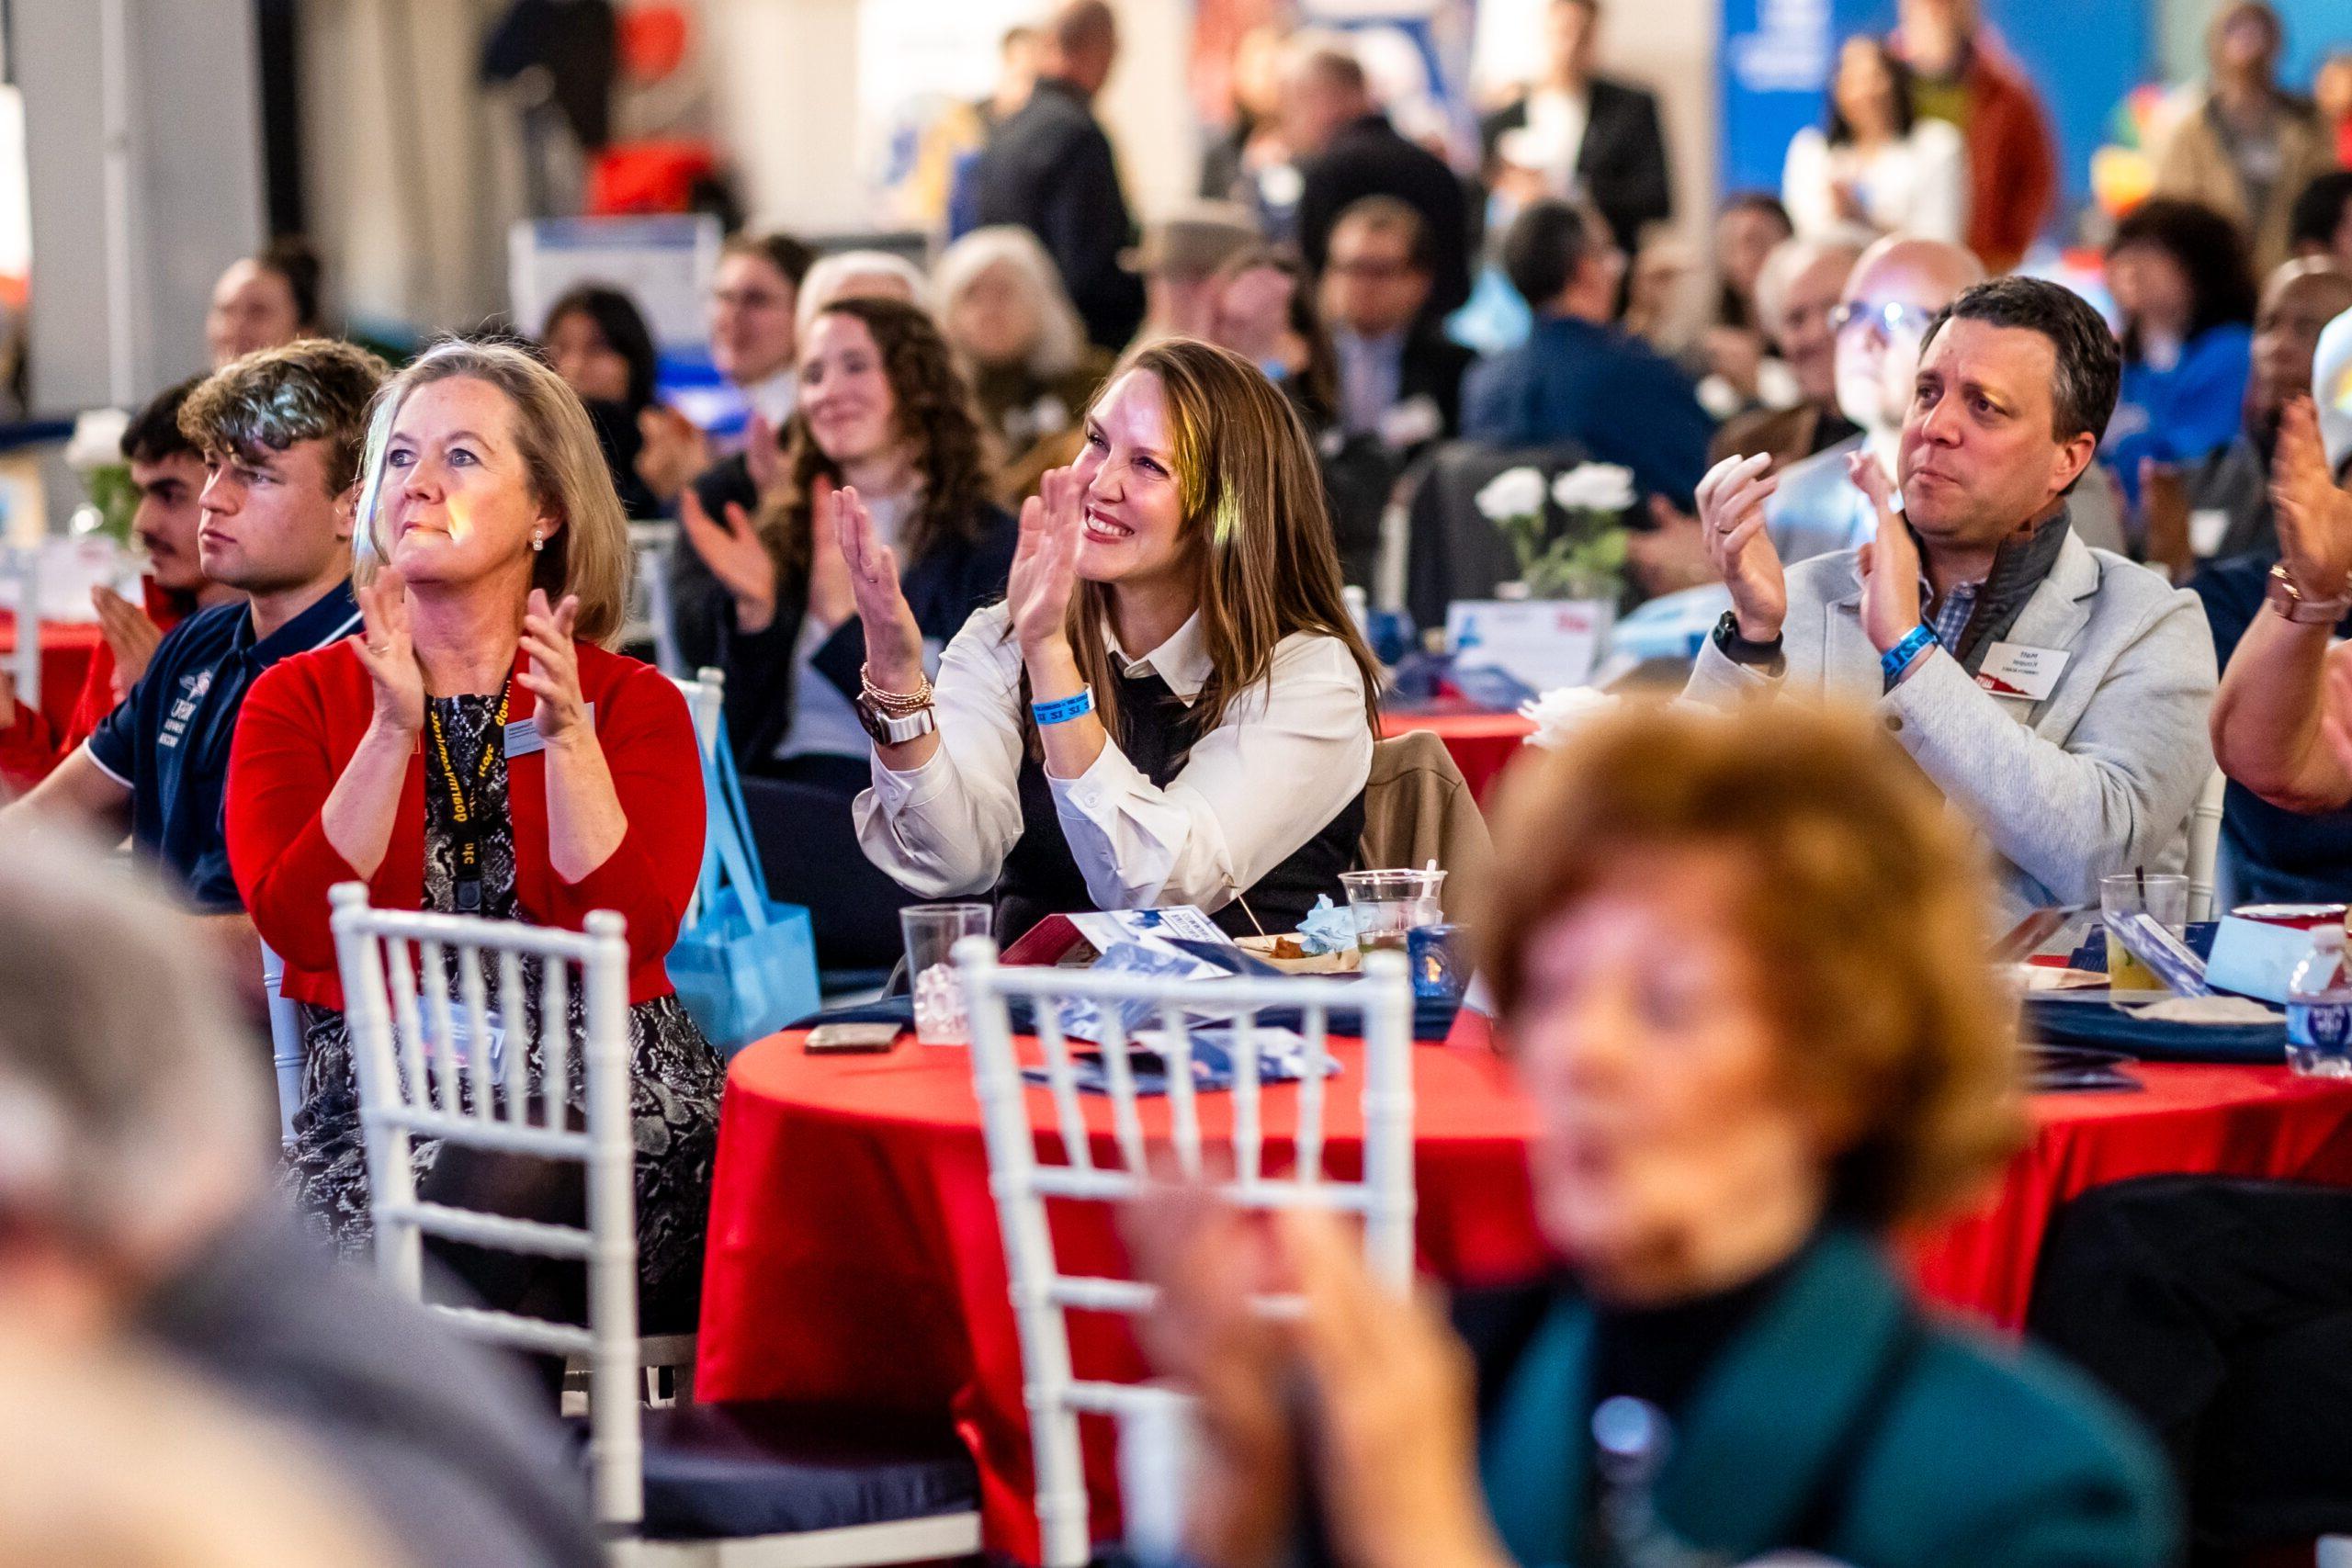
(932, 409)
(1263, 557)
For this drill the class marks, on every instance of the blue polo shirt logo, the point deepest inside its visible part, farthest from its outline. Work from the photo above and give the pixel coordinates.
(168, 741)
(183, 709)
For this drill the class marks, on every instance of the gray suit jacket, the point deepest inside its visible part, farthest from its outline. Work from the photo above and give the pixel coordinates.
(2099, 777)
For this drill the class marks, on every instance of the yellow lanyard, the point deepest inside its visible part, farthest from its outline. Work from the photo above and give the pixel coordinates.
(461, 803)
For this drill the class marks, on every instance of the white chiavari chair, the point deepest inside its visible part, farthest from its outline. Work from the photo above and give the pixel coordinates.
(1044, 1294)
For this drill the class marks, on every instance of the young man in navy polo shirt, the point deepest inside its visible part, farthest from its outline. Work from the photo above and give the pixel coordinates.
(280, 432)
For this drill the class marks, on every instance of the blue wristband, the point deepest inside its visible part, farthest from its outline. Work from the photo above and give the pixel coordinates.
(1896, 659)
(1065, 710)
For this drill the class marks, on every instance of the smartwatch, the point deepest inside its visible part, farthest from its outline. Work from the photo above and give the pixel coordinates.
(2281, 594)
(894, 729)
(1765, 656)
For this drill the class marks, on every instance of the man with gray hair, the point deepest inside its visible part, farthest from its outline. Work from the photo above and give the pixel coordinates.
(280, 432)
(135, 1203)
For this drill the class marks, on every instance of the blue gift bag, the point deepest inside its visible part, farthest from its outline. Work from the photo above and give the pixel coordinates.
(744, 964)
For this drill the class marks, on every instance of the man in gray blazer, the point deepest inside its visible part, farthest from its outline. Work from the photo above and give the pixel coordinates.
(2055, 693)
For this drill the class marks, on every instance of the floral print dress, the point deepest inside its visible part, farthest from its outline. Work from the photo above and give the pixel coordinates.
(675, 1076)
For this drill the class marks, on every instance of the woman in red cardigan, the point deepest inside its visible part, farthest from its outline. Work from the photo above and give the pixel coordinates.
(477, 751)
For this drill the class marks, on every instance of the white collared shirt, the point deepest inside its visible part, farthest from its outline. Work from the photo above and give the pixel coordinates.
(1287, 757)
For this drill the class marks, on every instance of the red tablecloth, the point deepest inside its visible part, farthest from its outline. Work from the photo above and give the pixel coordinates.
(66, 647)
(1480, 743)
(853, 1253)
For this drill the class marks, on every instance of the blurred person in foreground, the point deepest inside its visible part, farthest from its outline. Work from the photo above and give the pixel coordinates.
(2056, 694)
(1580, 377)
(2220, 509)
(1740, 969)
(1048, 167)
(2244, 146)
(1796, 296)
(2179, 278)
(2270, 725)
(596, 339)
(264, 301)
(491, 564)
(1348, 150)
(280, 431)
(167, 472)
(1960, 74)
(1585, 133)
(1018, 340)
(135, 1144)
(111, 1457)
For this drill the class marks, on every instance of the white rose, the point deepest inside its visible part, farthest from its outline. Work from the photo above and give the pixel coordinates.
(1514, 492)
(1594, 487)
(1559, 713)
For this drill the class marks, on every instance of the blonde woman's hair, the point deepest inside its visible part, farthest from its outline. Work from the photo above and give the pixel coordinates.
(1264, 562)
(1866, 908)
(589, 555)
(1061, 336)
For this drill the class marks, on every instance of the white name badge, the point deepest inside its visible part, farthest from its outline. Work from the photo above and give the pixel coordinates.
(523, 736)
(2013, 670)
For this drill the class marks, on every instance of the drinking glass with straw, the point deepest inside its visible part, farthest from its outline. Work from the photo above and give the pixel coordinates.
(1389, 904)
(2164, 896)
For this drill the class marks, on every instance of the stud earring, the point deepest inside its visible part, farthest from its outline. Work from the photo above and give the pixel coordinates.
(538, 541)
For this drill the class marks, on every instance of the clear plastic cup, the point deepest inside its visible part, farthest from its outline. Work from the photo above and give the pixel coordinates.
(1389, 904)
(931, 932)
(2164, 896)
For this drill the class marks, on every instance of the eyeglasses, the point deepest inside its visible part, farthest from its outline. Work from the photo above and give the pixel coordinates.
(1886, 320)
(1371, 271)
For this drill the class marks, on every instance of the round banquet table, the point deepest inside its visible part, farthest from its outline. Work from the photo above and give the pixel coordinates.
(853, 1253)
(1480, 743)
(66, 648)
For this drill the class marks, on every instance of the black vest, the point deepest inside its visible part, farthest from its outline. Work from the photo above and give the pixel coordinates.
(1041, 877)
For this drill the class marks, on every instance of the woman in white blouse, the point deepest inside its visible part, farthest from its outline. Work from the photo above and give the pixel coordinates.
(1171, 706)
(1878, 163)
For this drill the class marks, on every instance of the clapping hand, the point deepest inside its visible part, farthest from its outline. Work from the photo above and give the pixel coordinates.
(1045, 563)
(384, 648)
(737, 556)
(1731, 513)
(671, 450)
(2315, 516)
(553, 676)
(1672, 555)
(1890, 562)
(832, 597)
(893, 639)
(129, 633)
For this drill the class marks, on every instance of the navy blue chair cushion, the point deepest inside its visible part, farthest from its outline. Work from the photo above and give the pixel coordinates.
(732, 1471)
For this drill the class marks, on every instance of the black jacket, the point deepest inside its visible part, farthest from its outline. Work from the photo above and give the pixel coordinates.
(1432, 367)
(1368, 158)
(1623, 162)
(943, 588)
(1050, 169)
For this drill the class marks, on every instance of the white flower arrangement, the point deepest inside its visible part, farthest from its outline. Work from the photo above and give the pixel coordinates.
(1594, 487)
(1583, 561)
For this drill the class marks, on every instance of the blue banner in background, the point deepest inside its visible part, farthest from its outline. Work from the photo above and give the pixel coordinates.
(2082, 57)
